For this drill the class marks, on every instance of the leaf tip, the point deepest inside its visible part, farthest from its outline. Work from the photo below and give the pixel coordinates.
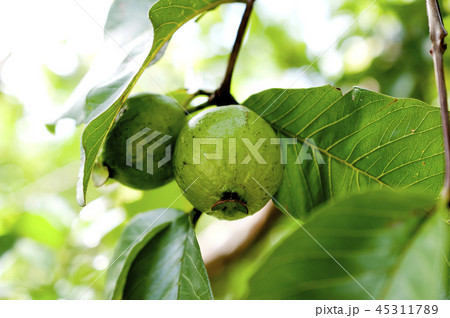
(81, 193)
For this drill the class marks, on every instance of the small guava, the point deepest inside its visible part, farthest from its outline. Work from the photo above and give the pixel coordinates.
(227, 160)
(138, 147)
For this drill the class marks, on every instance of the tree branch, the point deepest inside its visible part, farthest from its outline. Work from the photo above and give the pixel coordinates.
(222, 95)
(438, 47)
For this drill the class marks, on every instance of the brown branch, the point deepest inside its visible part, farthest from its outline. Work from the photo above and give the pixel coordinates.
(438, 47)
(222, 96)
(218, 257)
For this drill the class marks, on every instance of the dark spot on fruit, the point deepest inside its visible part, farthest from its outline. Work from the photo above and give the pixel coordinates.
(232, 196)
(231, 201)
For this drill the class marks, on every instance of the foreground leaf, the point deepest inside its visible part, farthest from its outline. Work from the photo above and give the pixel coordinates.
(380, 244)
(426, 254)
(366, 141)
(135, 236)
(104, 102)
(158, 258)
(169, 267)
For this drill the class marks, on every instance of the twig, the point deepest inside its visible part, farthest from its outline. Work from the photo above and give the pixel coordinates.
(438, 47)
(222, 95)
(190, 109)
(202, 92)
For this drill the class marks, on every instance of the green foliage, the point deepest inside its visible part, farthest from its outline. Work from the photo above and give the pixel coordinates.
(364, 246)
(50, 248)
(397, 72)
(366, 140)
(158, 258)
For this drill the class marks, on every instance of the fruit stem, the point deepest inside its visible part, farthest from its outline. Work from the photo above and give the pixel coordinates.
(192, 109)
(222, 95)
(195, 216)
(189, 108)
(438, 47)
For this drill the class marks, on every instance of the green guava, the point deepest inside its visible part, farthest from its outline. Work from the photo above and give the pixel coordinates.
(227, 161)
(150, 123)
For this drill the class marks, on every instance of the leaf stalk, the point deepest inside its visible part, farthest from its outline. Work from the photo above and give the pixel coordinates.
(222, 95)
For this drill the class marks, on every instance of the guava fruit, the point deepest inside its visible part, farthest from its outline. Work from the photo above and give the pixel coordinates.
(214, 166)
(150, 123)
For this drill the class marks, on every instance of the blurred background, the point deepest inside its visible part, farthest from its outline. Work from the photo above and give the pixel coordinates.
(50, 248)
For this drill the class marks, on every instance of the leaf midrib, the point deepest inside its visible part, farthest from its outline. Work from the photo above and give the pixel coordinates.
(182, 260)
(181, 266)
(330, 155)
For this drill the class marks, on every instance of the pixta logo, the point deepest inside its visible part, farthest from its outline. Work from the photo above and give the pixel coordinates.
(144, 142)
(303, 152)
(142, 146)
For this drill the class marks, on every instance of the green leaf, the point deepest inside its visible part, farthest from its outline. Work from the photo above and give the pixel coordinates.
(158, 258)
(105, 100)
(366, 140)
(380, 244)
(135, 236)
(426, 254)
(169, 267)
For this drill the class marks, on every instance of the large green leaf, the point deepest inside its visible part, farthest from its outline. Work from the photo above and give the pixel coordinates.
(135, 236)
(169, 267)
(158, 258)
(135, 52)
(380, 244)
(366, 140)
